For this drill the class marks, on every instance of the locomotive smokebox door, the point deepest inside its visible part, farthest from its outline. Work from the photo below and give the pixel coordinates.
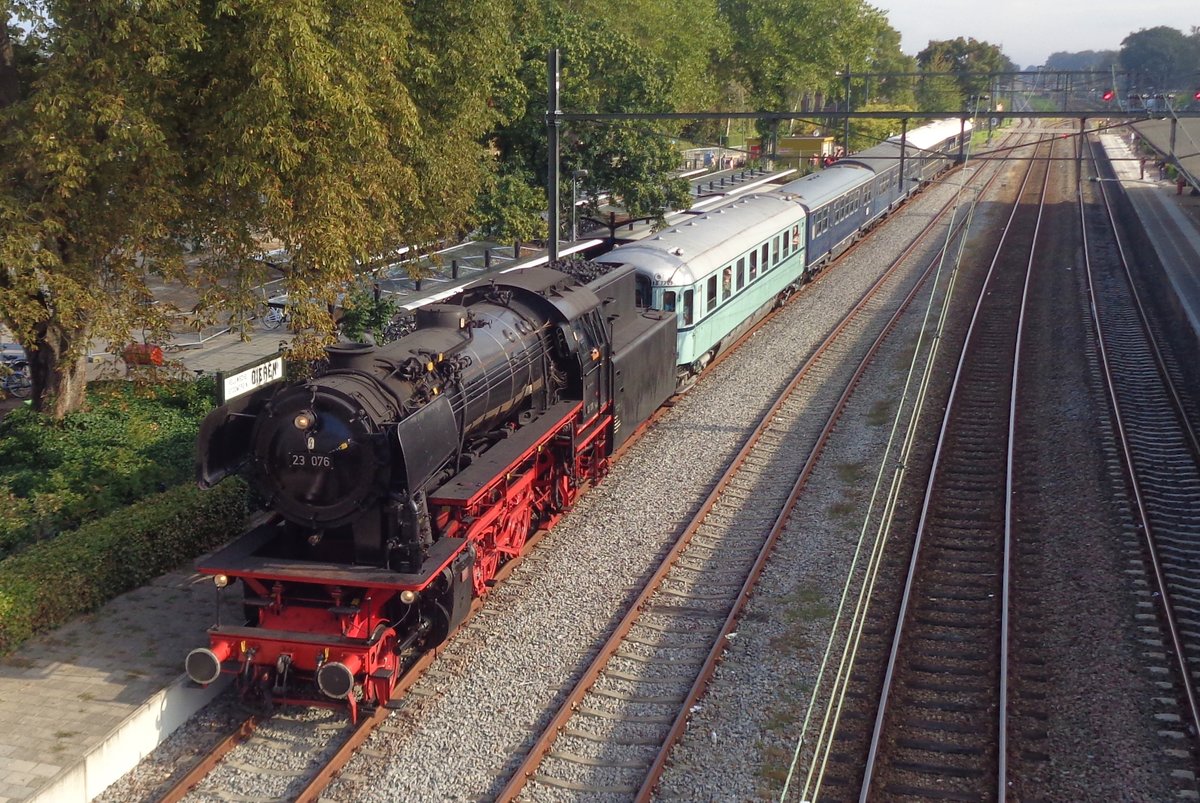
(427, 439)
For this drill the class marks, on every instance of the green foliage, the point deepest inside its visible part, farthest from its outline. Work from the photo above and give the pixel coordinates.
(1098, 60)
(969, 59)
(511, 207)
(366, 314)
(341, 128)
(131, 441)
(1161, 58)
(47, 584)
(605, 69)
(868, 133)
(785, 49)
(939, 90)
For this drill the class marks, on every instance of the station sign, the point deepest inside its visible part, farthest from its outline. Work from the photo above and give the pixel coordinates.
(249, 377)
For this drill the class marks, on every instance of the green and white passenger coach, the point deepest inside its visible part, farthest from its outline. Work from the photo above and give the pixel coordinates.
(720, 272)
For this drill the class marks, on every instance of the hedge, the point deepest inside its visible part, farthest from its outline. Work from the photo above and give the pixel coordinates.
(131, 442)
(45, 585)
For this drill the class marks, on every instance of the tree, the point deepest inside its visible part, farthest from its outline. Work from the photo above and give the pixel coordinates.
(511, 207)
(868, 133)
(603, 70)
(341, 127)
(1159, 58)
(89, 181)
(939, 89)
(786, 50)
(971, 60)
(1098, 60)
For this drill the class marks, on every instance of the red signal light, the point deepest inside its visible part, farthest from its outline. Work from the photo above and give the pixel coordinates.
(1197, 95)
(1109, 94)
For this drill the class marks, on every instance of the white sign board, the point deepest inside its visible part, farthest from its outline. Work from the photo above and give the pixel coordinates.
(248, 379)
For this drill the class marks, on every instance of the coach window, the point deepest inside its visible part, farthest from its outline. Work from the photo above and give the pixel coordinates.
(796, 237)
(741, 273)
(688, 295)
(668, 301)
(711, 296)
(774, 250)
(753, 265)
(642, 291)
(726, 282)
(764, 257)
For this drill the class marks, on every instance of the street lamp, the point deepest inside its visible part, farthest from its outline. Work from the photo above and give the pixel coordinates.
(575, 176)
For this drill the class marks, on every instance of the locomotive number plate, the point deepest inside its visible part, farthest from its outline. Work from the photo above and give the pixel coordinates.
(309, 460)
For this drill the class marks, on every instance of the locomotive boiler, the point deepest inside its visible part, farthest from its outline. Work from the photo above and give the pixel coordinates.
(402, 477)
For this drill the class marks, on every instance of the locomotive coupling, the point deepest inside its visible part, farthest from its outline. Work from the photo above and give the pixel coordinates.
(203, 665)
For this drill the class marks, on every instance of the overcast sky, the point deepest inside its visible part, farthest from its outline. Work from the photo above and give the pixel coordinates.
(1028, 31)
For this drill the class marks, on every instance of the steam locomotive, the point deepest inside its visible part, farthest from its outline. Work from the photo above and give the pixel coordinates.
(402, 477)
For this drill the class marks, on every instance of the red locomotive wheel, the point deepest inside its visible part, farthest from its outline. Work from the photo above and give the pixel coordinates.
(487, 561)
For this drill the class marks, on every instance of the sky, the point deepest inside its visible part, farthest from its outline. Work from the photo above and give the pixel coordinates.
(1028, 31)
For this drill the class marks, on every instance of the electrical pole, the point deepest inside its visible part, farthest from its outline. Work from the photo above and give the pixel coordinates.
(553, 121)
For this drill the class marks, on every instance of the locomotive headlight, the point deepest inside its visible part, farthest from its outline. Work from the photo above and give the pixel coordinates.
(408, 596)
(221, 580)
(304, 421)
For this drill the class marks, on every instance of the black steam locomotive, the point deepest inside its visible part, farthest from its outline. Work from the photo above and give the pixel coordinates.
(403, 476)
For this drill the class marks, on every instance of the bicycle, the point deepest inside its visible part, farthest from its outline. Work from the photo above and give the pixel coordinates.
(17, 381)
(275, 317)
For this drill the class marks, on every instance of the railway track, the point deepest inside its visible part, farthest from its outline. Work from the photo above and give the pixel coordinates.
(941, 723)
(1159, 447)
(932, 729)
(613, 732)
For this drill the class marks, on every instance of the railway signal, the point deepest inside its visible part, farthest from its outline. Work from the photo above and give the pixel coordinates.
(1109, 94)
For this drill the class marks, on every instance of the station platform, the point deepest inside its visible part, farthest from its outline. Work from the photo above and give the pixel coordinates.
(81, 705)
(1170, 218)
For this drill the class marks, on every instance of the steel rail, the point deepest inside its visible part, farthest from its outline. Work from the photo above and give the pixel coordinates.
(210, 760)
(815, 776)
(1127, 451)
(550, 733)
(910, 580)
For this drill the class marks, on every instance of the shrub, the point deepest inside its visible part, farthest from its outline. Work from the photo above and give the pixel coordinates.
(48, 583)
(131, 441)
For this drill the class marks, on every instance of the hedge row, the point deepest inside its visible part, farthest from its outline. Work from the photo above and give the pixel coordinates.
(132, 441)
(45, 585)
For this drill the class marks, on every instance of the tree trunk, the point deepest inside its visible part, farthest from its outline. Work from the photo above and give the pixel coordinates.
(10, 87)
(59, 380)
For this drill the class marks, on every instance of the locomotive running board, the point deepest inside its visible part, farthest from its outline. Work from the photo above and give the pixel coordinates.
(468, 484)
